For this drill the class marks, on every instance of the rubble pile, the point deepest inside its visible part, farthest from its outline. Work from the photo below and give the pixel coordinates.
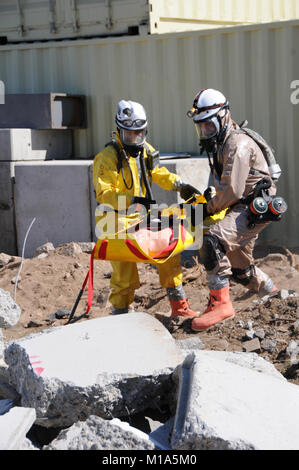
(142, 381)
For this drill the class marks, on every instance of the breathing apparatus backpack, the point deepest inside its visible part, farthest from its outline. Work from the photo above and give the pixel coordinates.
(262, 206)
(268, 152)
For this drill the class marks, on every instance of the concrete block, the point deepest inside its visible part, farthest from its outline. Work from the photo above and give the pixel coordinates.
(222, 405)
(14, 426)
(8, 239)
(56, 193)
(251, 360)
(9, 311)
(108, 366)
(28, 144)
(194, 170)
(99, 434)
(43, 111)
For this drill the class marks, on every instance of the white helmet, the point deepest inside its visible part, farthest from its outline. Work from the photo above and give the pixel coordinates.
(132, 123)
(209, 106)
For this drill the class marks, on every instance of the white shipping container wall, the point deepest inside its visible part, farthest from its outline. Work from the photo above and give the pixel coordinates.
(183, 15)
(254, 66)
(26, 20)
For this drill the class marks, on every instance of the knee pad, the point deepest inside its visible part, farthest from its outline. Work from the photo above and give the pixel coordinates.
(243, 276)
(212, 251)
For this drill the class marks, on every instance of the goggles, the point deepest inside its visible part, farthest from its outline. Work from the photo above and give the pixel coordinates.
(137, 123)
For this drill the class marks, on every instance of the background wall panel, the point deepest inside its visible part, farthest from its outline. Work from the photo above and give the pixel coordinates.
(253, 65)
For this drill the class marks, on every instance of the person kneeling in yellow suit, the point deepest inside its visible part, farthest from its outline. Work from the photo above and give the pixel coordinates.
(121, 175)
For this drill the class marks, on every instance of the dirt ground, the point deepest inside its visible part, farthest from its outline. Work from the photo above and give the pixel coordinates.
(53, 282)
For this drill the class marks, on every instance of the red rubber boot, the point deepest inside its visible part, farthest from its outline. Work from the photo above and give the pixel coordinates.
(219, 309)
(181, 308)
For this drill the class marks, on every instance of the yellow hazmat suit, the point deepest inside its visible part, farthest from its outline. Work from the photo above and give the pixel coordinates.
(111, 190)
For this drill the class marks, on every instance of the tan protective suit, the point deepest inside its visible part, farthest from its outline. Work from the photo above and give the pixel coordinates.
(238, 154)
(109, 186)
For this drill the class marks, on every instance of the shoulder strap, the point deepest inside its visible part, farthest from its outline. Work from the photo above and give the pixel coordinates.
(114, 144)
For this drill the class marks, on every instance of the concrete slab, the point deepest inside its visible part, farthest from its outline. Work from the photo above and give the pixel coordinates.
(251, 360)
(99, 434)
(14, 426)
(56, 193)
(222, 405)
(29, 144)
(8, 239)
(108, 366)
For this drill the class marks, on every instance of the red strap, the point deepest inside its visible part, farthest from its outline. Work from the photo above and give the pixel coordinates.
(90, 283)
(134, 250)
(89, 278)
(103, 250)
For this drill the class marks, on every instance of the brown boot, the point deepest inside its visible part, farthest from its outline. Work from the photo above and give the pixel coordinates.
(181, 308)
(219, 309)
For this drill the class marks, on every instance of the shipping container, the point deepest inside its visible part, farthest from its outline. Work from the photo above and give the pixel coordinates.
(188, 15)
(256, 67)
(27, 20)
(32, 20)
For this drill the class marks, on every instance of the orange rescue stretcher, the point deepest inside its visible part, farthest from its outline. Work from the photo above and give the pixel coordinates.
(141, 245)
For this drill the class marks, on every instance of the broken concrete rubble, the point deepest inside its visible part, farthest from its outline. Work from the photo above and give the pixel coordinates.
(6, 391)
(222, 405)
(46, 248)
(5, 259)
(14, 426)
(68, 373)
(98, 434)
(9, 311)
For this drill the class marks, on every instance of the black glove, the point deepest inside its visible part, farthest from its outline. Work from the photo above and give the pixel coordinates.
(187, 191)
